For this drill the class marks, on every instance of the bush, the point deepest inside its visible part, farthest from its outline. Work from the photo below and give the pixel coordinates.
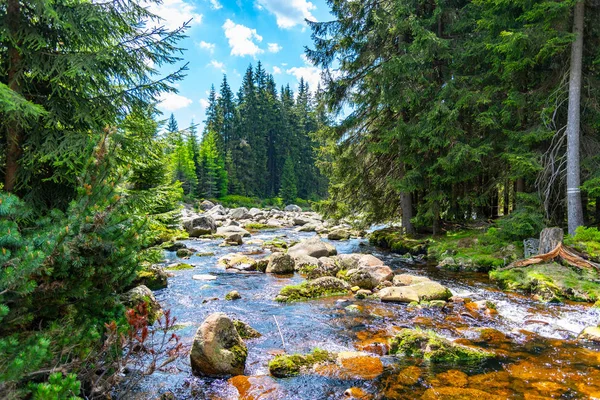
(526, 221)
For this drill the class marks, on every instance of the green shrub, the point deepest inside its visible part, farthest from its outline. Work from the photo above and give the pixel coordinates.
(526, 221)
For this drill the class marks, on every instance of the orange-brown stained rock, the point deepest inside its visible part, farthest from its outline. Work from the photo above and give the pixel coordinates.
(255, 387)
(495, 382)
(452, 377)
(549, 388)
(454, 393)
(492, 336)
(351, 365)
(409, 376)
(530, 372)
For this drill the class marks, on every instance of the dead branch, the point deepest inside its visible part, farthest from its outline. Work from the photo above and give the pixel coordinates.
(560, 252)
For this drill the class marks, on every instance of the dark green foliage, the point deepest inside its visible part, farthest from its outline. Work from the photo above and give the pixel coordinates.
(288, 192)
(526, 221)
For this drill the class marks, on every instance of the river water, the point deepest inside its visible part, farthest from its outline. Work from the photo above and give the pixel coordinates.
(538, 354)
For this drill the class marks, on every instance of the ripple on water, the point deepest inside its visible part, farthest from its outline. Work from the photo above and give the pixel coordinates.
(532, 361)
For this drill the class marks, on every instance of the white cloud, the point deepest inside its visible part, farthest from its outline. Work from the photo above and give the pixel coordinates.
(174, 13)
(274, 47)
(276, 70)
(173, 101)
(289, 13)
(311, 75)
(204, 103)
(241, 39)
(207, 46)
(217, 64)
(215, 4)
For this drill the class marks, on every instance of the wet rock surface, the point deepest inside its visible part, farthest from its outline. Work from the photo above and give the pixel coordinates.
(533, 349)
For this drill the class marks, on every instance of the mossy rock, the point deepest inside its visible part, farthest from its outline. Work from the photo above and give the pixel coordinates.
(551, 282)
(320, 287)
(179, 267)
(394, 240)
(255, 226)
(434, 348)
(284, 366)
(153, 277)
(182, 253)
(245, 331)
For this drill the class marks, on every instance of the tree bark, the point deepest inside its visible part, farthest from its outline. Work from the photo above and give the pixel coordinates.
(407, 209)
(13, 128)
(549, 239)
(574, 207)
(506, 197)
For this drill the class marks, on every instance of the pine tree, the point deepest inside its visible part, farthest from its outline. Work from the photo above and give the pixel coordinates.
(288, 191)
(215, 182)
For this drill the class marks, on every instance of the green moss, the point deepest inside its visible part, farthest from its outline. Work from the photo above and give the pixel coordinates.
(284, 366)
(257, 226)
(586, 240)
(205, 254)
(152, 277)
(307, 269)
(240, 353)
(307, 291)
(278, 243)
(391, 238)
(179, 267)
(245, 331)
(551, 282)
(434, 348)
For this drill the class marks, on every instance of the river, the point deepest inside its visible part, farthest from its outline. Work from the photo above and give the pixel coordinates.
(538, 354)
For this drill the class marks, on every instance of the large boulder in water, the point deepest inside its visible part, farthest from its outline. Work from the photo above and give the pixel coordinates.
(227, 230)
(339, 234)
(139, 295)
(206, 205)
(320, 287)
(292, 208)
(398, 294)
(354, 260)
(313, 247)
(218, 349)
(200, 225)
(239, 213)
(280, 263)
(369, 277)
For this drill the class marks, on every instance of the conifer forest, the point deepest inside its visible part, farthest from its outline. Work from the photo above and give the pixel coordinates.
(376, 199)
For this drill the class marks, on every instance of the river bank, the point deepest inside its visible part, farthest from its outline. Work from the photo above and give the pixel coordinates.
(538, 354)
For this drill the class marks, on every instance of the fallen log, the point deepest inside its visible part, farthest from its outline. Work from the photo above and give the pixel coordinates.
(560, 252)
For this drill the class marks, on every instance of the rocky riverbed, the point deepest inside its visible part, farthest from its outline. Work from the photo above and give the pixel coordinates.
(344, 319)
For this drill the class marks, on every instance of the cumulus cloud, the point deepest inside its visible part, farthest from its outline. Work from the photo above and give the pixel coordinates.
(174, 13)
(289, 13)
(276, 70)
(207, 46)
(241, 39)
(204, 103)
(173, 101)
(311, 74)
(218, 65)
(274, 47)
(215, 4)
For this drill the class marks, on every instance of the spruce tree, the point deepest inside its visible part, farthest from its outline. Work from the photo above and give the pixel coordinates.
(288, 191)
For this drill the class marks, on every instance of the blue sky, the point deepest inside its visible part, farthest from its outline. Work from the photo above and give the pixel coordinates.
(225, 36)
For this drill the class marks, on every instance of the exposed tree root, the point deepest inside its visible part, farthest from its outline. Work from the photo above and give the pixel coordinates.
(561, 252)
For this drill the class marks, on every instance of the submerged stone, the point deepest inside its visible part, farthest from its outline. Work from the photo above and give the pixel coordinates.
(454, 393)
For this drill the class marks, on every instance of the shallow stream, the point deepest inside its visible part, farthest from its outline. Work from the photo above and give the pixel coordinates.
(538, 354)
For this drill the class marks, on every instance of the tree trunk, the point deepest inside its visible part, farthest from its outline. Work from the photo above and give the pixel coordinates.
(436, 218)
(519, 186)
(574, 208)
(13, 128)
(407, 207)
(549, 239)
(597, 210)
(506, 197)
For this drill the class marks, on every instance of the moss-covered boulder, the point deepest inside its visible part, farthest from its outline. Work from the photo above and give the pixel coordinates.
(142, 294)
(551, 282)
(179, 267)
(238, 261)
(183, 253)
(434, 348)
(314, 289)
(245, 331)
(154, 277)
(280, 263)
(233, 295)
(288, 365)
(218, 350)
(394, 240)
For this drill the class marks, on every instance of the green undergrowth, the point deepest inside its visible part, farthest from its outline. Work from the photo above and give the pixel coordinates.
(586, 240)
(477, 250)
(434, 348)
(285, 365)
(551, 282)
